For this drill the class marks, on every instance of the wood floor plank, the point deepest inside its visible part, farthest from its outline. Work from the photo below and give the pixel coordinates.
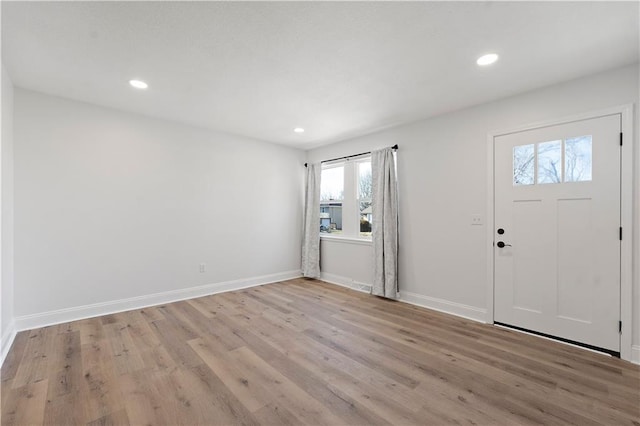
(117, 418)
(474, 360)
(101, 395)
(201, 306)
(210, 327)
(141, 398)
(332, 366)
(608, 374)
(25, 405)
(351, 408)
(253, 395)
(306, 352)
(66, 366)
(91, 331)
(38, 352)
(283, 390)
(228, 406)
(277, 415)
(125, 353)
(174, 341)
(431, 332)
(13, 359)
(544, 375)
(151, 313)
(179, 404)
(148, 346)
(57, 410)
(369, 358)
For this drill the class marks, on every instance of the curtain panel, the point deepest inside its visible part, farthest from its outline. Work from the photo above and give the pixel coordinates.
(385, 224)
(311, 223)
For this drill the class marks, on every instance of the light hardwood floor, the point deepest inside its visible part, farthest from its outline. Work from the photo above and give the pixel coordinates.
(306, 352)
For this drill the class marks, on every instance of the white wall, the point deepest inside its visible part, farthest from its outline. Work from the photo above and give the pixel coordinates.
(6, 214)
(112, 206)
(442, 172)
(346, 262)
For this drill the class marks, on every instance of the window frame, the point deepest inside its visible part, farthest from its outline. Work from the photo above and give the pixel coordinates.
(537, 154)
(350, 202)
(334, 202)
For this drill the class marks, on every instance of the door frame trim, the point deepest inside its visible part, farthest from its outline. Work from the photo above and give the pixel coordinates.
(626, 212)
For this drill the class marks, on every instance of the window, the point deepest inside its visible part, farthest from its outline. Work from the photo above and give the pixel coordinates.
(345, 198)
(550, 162)
(523, 164)
(577, 159)
(365, 189)
(331, 197)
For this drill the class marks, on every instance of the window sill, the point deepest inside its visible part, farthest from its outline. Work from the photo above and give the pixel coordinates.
(347, 240)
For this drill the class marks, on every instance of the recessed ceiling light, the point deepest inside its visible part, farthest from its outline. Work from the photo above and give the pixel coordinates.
(298, 130)
(487, 59)
(138, 84)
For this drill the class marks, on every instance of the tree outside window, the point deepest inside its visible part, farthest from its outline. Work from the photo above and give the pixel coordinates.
(365, 191)
(568, 160)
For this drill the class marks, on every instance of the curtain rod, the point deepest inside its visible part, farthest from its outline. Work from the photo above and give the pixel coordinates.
(351, 156)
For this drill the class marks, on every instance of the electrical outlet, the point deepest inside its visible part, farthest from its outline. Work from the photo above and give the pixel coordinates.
(476, 219)
(202, 267)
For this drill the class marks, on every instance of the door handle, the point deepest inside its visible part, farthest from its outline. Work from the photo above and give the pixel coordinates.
(501, 244)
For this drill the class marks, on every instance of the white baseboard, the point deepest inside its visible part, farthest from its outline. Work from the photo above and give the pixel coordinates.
(635, 354)
(345, 282)
(441, 305)
(28, 322)
(6, 341)
(446, 306)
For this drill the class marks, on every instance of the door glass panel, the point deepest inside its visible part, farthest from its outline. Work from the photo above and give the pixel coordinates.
(577, 159)
(523, 165)
(550, 162)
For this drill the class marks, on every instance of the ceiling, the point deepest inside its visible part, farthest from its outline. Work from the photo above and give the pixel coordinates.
(337, 69)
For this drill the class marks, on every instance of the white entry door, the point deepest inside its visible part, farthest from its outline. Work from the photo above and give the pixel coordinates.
(557, 236)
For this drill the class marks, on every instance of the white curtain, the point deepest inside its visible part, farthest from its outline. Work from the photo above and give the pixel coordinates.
(385, 224)
(311, 223)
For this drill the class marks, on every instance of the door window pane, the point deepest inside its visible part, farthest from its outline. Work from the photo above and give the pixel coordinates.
(332, 184)
(577, 159)
(550, 162)
(523, 162)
